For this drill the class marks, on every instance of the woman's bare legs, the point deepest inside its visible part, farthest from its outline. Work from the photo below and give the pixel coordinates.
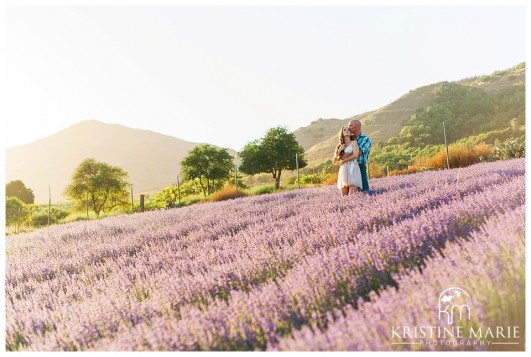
(352, 189)
(344, 191)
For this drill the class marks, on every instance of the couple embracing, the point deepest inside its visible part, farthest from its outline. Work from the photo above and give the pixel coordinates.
(352, 153)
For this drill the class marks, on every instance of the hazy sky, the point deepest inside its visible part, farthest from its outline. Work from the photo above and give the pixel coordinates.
(224, 75)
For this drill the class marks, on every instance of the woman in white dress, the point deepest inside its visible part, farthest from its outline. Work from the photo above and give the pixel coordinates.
(346, 155)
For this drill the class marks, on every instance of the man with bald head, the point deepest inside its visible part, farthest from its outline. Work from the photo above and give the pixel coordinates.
(364, 144)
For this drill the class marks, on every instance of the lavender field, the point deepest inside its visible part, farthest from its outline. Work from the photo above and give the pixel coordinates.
(298, 270)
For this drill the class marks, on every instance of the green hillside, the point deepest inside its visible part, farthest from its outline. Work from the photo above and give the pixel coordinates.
(474, 106)
(487, 109)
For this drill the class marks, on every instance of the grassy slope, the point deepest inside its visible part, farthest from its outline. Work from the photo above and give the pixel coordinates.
(387, 122)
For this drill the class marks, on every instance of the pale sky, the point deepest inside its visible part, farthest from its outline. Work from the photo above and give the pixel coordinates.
(224, 75)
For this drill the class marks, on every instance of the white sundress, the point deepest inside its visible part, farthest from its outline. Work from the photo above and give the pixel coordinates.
(349, 173)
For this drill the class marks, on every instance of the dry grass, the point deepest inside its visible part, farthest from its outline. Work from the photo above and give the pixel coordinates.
(459, 156)
(410, 170)
(375, 170)
(227, 193)
(482, 151)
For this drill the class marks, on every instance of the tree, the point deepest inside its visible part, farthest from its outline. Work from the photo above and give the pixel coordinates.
(273, 153)
(167, 197)
(105, 185)
(211, 166)
(18, 189)
(17, 212)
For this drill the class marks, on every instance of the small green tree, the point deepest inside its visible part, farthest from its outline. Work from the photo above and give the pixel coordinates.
(17, 212)
(167, 197)
(18, 189)
(273, 153)
(105, 185)
(210, 165)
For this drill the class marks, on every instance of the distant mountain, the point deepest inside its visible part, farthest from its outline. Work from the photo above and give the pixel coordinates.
(151, 159)
(320, 137)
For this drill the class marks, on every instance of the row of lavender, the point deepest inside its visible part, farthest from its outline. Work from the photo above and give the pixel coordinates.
(240, 274)
(490, 266)
(316, 286)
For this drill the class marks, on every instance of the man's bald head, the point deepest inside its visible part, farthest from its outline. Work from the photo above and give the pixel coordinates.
(354, 125)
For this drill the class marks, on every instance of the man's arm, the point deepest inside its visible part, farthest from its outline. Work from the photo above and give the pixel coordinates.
(365, 146)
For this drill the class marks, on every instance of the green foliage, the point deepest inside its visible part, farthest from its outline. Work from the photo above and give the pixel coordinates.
(18, 189)
(471, 116)
(509, 149)
(494, 137)
(190, 200)
(323, 169)
(168, 197)
(262, 189)
(241, 184)
(273, 153)
(39, 218)
(254, 159)
(312, 179)
(17, 212)
(190, 187)
(395, 156)
(105, 185)
(209, 165)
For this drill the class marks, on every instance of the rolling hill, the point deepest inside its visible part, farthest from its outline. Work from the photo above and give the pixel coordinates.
(151, 159)
(320, 137)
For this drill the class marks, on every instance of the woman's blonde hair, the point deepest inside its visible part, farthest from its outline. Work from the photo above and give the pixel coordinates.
(341, 141)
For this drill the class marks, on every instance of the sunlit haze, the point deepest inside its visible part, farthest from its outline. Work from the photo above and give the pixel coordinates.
(224, 75)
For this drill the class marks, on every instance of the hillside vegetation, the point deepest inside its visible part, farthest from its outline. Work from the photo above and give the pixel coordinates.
(471, 116)
(485, 105)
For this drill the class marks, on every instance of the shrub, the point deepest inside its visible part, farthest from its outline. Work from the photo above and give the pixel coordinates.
(262, 189)
(312, 179)
(409, 170)
(190, 200)
(375, 170)
(459, 156)
(227, 193)
(291, 180)
(40, 218)
(482, 151)
(509, 149)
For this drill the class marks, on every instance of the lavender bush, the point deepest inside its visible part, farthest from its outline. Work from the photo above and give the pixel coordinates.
(241, 274)
(491, 265)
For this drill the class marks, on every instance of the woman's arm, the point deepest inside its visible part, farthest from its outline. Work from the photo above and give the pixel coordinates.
(353, 156)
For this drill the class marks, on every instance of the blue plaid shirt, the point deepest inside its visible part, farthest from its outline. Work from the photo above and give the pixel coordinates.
(364, 144)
